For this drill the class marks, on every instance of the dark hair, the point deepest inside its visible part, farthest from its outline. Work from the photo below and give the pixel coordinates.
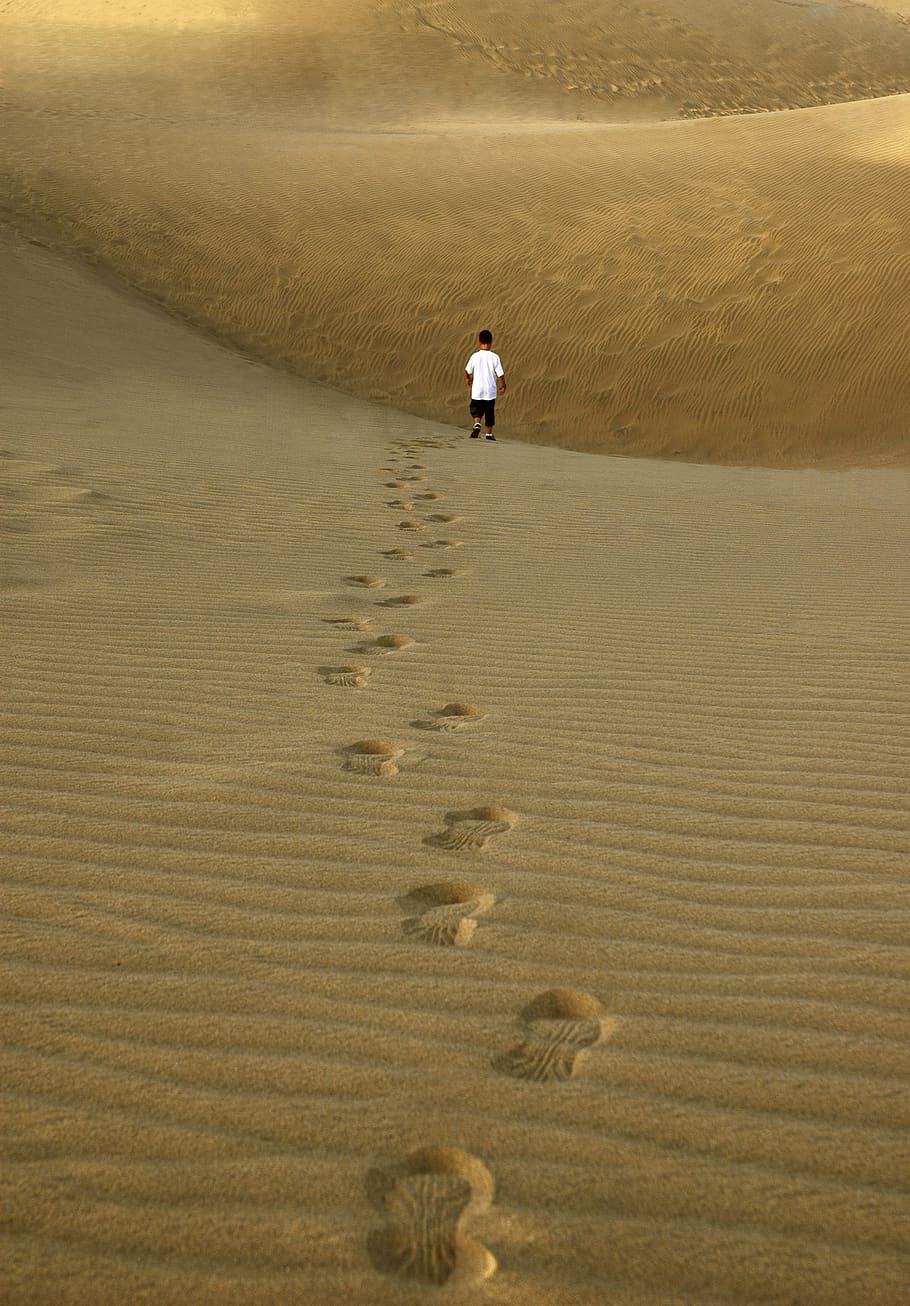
(486, 337)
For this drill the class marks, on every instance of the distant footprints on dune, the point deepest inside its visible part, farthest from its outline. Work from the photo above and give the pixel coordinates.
(349, 677)
(386, 644)
(367, 582)
(427, 1200)
(445, 913)
(425, 1203)
(471, 830)
(41, 496)
(373, 757)
(401, 601)
(560, 1028)
(453, 716)
(349, 623)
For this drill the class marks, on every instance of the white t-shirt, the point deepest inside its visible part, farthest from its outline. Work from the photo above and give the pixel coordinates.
(484, 366)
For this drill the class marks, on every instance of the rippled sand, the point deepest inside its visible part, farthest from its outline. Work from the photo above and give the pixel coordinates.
(431, 862)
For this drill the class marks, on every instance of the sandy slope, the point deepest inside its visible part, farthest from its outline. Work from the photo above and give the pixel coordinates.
(429, 860)
(734, 290)
(226, 1023)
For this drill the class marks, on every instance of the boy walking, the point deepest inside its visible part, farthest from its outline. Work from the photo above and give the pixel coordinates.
(482, 371)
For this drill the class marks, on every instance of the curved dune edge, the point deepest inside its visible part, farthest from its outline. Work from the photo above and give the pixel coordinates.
(730, 291)
(307, 183)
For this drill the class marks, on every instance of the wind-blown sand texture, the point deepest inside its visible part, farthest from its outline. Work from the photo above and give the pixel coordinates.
(545, 936)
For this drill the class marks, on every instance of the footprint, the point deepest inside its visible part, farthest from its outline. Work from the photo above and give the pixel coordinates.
(445, 516)
(373, 757)
(442, 573)
(367, 582)
(404, 504)
(401, 601)
(469, 830)
(349, 623)
(561, 1025)
(430, 494)
(400, 555)
(394, 485)
(425, 1203)
(418, 467)
(393, 643)
(445, 912)
(33, 496)
(443, 544)
(413, 478)
(350, 677)
(454, 716)
(410, 524)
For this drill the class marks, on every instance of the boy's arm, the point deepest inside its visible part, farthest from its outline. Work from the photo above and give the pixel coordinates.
(468, 377)
(502, 383)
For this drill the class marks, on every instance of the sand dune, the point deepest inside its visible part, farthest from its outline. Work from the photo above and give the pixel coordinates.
(732, 290)
(564, 935)
(433, 864)
(696, 57)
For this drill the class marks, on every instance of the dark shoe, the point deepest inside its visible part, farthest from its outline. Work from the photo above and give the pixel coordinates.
(491, 437)
(476, 432)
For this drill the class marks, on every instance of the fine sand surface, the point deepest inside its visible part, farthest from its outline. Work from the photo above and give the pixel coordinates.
(667, 847)
(350, 190)
(433, 867)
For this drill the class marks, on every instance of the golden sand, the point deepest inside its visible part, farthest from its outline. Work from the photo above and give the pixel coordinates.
(533, 927)
(314, 190)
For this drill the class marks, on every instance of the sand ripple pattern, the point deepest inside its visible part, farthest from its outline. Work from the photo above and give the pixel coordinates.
(218, 1015)
(669, 297)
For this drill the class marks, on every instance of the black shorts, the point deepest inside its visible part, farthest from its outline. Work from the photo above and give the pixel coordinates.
(485, 408)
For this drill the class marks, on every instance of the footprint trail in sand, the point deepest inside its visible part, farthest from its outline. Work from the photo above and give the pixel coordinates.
(426, 1201)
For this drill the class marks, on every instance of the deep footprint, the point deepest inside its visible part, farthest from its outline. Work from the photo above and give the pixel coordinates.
(445, 912)
(445, 573)
(425, 1203)
(350, 677)
(367, 582)
(349, 623)
(400, 555)
(373, 757)
(453, 716)
(561, 1026)
(470, 830)
(386, 644)
(401, 601)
